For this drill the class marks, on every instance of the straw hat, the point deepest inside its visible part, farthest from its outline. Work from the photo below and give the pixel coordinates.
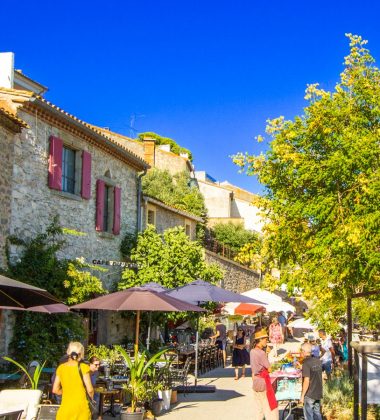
(261, 334)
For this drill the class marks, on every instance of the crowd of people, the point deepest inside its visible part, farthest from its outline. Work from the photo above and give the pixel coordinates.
(319, 354)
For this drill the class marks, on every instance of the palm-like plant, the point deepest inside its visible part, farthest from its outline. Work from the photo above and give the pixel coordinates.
(140, 368)
(36, 375)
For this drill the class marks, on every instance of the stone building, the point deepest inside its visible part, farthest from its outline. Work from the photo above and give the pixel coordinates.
(163, 216)
(54, 164)
(227, 203)
(157, 156)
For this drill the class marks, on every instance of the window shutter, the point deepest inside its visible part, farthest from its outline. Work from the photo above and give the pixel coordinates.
(86, 175)
(116, 210)
(55, 163)
(100, 186)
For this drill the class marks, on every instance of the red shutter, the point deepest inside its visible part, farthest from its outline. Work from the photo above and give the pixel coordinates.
(86, 175)
(100, 186)
(116, 210)
(55, 163)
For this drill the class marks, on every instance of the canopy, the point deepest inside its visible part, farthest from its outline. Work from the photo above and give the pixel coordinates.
(303, 323)
(247, 309)
(16, 294)
(201, 291)
(54, 308)
(270, 301)
(138, 299)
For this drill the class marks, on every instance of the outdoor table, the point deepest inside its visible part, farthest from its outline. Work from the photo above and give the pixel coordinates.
(105, 393)
(289, 389)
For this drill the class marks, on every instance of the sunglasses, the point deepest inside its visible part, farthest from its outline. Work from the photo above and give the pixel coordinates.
(96, 364)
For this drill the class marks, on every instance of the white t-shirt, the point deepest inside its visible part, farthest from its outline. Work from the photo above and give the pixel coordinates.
(326, 344)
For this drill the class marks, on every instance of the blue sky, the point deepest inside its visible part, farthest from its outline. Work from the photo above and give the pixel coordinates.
(205, 73)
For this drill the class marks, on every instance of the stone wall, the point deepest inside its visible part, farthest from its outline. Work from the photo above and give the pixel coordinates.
(6, 158)
(34, 204)
(166, 219)
(237, 277)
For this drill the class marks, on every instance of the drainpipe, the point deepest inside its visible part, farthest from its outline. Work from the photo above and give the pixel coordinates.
(139, 193)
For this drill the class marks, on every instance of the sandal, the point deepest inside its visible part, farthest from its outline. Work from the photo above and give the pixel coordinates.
(236, 378)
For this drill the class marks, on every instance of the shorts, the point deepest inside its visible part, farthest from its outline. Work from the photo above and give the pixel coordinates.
(327, 367)
(221, 344)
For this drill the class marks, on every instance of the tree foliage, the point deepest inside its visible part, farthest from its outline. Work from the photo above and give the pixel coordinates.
(235, 236)
(174, 146)
(170, 259)
(322, 180)
(45, 336)
(174, 191)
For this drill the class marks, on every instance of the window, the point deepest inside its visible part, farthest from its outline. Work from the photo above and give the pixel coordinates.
(108, 207)
(69, 169)
(151, 219)
(188, 230)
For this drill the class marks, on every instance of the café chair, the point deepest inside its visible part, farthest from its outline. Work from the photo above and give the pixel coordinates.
(26, 400)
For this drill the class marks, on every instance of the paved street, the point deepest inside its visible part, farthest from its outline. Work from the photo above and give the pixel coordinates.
(232, 399)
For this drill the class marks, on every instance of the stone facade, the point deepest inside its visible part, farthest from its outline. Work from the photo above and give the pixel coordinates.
(28, 205)
(237, 278)
(164, 217)
(34, 204)
(6, 157)
(227, 203)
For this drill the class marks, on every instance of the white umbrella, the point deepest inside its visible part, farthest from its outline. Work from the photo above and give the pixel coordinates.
(303, 323)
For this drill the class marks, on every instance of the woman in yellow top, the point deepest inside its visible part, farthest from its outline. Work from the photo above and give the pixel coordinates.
(69, 384)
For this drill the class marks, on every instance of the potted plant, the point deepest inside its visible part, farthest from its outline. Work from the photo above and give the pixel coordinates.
(165, 393)
(140, 370)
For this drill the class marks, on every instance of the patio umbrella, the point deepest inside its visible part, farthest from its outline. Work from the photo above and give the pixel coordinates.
(303, 323)
(200, 291)
(54, 308)
(247, 309)
(156, 287)
(16, 294)
(138, 299)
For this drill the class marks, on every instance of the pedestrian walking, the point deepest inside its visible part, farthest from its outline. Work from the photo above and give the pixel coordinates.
(312, 388)
(264, 399)
(68, 382)
(221, 339)
(328, 353)
(240, 356)
(276, 335)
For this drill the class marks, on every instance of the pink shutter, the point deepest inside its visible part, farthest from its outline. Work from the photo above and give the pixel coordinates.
(116, 210)
(86, 175)
(100, 187)
(55, 163)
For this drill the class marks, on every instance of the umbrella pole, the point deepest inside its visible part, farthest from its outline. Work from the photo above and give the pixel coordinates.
(196, 352)
(137, 331)
(148, 337)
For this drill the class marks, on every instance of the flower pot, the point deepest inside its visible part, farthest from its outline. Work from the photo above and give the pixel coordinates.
(124, 415)
(157, 407)
(173, 398)
(165, 395)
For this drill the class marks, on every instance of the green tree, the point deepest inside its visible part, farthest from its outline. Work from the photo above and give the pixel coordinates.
(171, 259)
(235, 236)
(174, 146)
(46, 336)
(322, 180)
(174, 191)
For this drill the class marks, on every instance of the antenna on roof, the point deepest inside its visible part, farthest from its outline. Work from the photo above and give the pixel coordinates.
(132, 130)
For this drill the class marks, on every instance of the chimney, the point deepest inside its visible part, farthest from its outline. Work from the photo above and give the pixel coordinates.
(6, 70)
(149, 150)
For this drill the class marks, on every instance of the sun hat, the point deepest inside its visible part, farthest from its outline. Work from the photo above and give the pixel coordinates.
(261, 334)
